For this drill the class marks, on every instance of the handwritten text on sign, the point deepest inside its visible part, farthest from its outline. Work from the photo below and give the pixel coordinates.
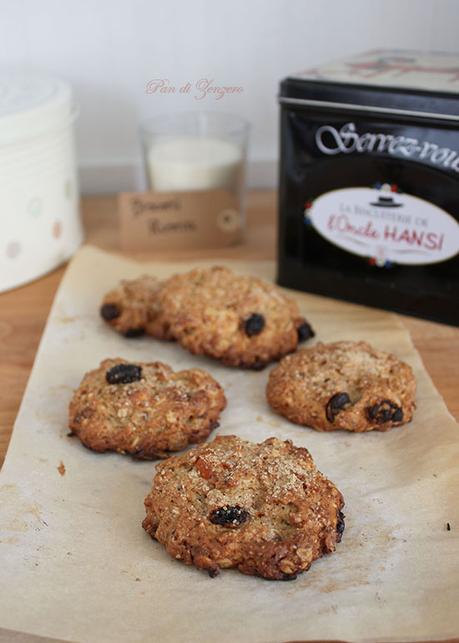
(166, 220)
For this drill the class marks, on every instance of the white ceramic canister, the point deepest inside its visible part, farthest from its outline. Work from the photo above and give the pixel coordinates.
(40, 225)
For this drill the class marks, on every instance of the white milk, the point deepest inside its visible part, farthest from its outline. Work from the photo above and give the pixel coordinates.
(193, 163)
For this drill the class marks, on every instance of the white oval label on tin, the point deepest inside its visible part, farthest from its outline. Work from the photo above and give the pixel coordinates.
(385, 226)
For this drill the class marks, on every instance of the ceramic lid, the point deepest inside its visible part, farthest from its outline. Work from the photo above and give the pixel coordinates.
(31, 105)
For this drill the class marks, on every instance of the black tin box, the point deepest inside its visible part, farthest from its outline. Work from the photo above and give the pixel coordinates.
(369, 182)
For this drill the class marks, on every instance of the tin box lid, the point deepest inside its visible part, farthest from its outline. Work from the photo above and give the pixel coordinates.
(31, 105)
(400, 81)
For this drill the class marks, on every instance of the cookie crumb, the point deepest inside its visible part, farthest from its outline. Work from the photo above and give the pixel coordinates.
(61, 468)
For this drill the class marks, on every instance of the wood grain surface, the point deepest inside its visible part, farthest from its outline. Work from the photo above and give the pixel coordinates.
(23, 311)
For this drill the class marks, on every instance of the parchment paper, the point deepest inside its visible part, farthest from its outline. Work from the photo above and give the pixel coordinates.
(76, 564)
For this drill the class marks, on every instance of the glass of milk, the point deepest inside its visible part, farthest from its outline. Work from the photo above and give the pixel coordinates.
(191, 151)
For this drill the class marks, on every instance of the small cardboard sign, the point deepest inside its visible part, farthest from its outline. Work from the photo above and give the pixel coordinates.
(179, 220)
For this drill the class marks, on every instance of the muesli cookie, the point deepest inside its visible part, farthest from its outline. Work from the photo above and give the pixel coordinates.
(261, 508)
(344, 385)
(143, 409)
(133, 308)
(240, 320)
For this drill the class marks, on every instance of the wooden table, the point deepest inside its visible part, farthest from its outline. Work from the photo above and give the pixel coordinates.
(23, 311)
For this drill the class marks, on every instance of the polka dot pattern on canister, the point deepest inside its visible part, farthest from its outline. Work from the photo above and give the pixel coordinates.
(34, 207)
(57, 229)
(13, 249)
(68, 189)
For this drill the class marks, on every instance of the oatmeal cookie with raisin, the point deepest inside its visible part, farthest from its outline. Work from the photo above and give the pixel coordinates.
(133, 308)
(344, 385)
(263, 509)
(237, 319)
(144, 409)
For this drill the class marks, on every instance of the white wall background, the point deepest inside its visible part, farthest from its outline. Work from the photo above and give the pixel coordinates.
(110, 49)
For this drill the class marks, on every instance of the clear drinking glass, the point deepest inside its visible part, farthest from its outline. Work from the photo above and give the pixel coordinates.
(196, 151)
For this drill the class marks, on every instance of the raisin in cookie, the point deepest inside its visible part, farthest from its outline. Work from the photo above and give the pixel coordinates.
(262, 508)
(345, 385)
(144, 409)
(240, 320)
(133, 308)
